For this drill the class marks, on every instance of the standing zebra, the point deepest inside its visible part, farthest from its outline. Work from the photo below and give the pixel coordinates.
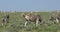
(56, 17)
(5, 20)
(32, 18)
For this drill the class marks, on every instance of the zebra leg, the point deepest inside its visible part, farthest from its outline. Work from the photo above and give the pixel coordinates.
(26, 23)
(2, 24)
(37, 22)
(57, 20)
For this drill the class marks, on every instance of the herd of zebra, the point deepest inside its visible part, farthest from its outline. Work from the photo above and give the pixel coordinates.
(33, 18)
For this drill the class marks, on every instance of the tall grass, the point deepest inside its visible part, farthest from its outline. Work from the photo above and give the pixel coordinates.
(16, 23)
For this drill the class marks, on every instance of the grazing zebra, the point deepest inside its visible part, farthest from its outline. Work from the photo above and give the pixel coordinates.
(32, 18)
(56, 17)
(5, 20)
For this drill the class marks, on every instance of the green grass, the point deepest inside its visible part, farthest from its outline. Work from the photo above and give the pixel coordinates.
(16, 23)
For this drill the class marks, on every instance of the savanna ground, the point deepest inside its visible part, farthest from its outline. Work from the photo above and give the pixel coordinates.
(16, 23)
